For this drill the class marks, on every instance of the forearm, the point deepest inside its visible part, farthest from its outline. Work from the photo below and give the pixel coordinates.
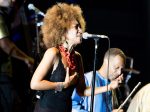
(47, 85)
(98, 90)
(11, 49)
(18, 54)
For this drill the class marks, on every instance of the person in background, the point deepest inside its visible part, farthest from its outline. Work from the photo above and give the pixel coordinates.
(8, 50)
(108, 78)
(141, 100)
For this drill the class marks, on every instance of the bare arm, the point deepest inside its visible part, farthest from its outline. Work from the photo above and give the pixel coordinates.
(38, 82)
(11, 49)
(49, 62)
(82, 90)
(98, 90)
(113, 85)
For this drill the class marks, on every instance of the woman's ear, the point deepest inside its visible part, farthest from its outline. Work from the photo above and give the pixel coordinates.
(64, 39)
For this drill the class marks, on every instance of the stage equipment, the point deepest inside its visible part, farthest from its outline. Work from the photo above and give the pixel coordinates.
(96, 38)
(139, 83)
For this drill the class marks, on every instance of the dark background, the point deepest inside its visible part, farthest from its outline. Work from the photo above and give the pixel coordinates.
(125, 22)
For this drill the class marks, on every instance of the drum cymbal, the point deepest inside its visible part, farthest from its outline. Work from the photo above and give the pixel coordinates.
(131, 70)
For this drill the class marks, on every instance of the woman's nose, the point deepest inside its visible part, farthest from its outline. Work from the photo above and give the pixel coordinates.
(79, 29)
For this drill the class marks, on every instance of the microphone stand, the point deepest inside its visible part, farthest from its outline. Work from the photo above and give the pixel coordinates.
(37, 33)
(37, 24)
(94, 75)
(37, 51)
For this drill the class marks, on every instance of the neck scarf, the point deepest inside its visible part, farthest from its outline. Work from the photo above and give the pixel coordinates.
(70, 57)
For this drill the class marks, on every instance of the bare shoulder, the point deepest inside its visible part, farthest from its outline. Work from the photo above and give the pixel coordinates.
(51, 54)
(52, 51)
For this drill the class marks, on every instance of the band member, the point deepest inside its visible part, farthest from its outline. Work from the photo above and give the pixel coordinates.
(111, 74)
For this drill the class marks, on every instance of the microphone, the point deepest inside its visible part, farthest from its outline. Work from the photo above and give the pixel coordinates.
(32, 7)
(88, 36)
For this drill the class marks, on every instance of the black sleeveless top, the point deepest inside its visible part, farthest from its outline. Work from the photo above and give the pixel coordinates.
(52, 101)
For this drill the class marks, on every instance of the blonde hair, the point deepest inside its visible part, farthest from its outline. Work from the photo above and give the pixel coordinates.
(58, 20)
(112, 52)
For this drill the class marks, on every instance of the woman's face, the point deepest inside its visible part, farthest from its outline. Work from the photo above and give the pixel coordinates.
(74, 34)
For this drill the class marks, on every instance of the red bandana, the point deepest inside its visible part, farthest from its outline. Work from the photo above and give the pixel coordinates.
(70, 57)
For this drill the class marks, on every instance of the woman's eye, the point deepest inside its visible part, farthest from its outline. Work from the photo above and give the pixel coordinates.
(77, 26)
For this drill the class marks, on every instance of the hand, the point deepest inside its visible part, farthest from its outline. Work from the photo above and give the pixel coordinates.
(120, 78)
(116, 110)
(68, 78)
(114, 84)
(30, 62)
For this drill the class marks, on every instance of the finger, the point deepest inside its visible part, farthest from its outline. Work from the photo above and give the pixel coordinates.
(73, 76)
(66, 83)
(121, 78)
(67, 74)
(67, 70)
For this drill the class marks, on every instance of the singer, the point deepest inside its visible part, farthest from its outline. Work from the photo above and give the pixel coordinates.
(60, 69)
(111, 70)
